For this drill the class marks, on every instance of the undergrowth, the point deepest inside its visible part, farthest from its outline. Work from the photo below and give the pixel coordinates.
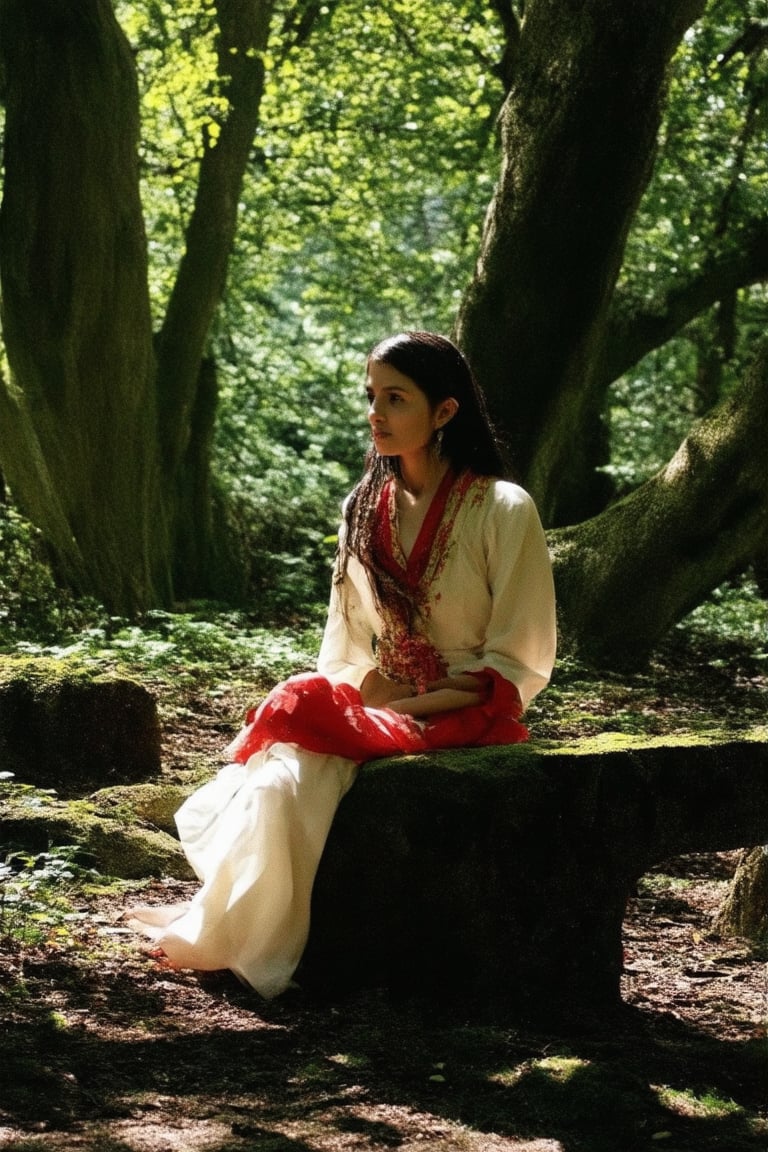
(37, 889)
(201, 646)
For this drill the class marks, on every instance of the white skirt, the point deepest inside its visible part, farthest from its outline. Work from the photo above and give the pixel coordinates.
(254, 836)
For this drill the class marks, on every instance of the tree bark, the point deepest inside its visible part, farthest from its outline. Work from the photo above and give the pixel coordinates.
(199, 284)
(186, 383)
(78, 419)
(105, 435)
(744, 911)
(579, 129)
(501, 875)
(626, 576)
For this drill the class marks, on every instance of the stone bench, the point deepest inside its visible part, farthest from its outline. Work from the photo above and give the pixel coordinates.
(501, 876)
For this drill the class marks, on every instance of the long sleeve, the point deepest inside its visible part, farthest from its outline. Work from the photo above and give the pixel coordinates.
(346, 653)
(520, 633)
(489, 602)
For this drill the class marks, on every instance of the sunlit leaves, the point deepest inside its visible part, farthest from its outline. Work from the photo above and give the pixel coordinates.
(711, 174)
(374, 153)
(181, 105)
(710, 181)
(362, 212)
(364, 200)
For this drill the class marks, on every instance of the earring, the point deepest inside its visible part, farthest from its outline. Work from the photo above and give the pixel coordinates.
(439, 441)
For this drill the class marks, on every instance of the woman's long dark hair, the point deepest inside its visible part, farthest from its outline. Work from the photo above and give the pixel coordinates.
(467, 441)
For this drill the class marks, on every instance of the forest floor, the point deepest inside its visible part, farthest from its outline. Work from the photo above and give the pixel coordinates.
(103, 1050)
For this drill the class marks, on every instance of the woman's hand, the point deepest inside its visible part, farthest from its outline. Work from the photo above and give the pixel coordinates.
(445, 695)
(431, 702)
(378, 691)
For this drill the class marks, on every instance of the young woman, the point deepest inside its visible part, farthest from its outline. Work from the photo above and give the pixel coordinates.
(441, 629)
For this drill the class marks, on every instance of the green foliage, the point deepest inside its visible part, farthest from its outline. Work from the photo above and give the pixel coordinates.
(204, 647)
(180, 101)
(37, 889)
(716, 106)
(383, 164)
(709, 187)
(709, 674)
(735, 613)
(650, 412)
(687, 1102)
(31, 603)
(360, 214)
(284, 487)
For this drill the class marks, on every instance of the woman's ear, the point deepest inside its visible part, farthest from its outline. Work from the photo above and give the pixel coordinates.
(446, 410)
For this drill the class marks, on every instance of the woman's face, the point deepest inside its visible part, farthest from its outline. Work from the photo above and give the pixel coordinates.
(403, 422)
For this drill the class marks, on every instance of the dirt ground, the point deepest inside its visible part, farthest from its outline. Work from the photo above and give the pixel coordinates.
(102, 1049)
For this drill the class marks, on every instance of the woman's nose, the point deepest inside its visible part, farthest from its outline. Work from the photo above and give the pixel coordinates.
(373, 412)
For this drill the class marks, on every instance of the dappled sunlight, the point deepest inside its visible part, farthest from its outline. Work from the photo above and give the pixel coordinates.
(688, 1103)
(679, 465)
(559, 1069)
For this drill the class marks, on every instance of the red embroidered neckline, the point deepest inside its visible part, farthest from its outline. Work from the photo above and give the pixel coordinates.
(412, 572)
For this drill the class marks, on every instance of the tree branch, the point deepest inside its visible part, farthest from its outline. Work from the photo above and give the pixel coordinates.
(511, 24)
(750, 42)
(632, 332)
(626, 576)
(301, 20)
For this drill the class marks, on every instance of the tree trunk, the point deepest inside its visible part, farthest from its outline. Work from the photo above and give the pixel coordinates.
(579, 129)
(626, 576)
(744, 911)
(107, 446)
(186, 385)
(78, 437)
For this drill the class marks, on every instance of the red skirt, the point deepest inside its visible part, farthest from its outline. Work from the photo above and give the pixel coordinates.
(310, 711)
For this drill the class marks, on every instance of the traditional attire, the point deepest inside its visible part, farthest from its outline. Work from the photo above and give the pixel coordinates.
(480, 578)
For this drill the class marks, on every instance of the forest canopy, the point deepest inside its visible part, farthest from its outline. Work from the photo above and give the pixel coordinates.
(577, 193)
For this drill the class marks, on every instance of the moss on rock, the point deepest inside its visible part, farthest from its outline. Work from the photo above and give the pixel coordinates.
(64, 726)
(115, 847)
(502, 874)
(154, 804)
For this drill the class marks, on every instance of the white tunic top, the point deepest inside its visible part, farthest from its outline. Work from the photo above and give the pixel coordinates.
(491, 601)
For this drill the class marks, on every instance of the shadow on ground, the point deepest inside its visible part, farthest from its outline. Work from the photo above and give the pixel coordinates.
(297, 1075)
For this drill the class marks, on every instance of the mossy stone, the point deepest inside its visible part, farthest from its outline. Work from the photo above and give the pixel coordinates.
(501, 875)
(66, 727)
(154, 804)
(113, 847)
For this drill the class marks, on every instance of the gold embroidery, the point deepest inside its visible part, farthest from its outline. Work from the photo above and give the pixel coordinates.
(409, 656)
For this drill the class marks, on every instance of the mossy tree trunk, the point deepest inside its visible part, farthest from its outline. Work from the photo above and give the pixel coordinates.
(548, 329)
(104, 432)
(579, 129)
(626, 576)
(78, 419)
(744, 911)
(544, 320)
